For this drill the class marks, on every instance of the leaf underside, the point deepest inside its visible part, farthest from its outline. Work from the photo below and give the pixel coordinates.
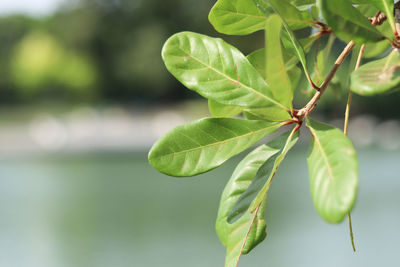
(333, 171)
(347, 22)
(259, 186)
(236, 237)
(377, 77)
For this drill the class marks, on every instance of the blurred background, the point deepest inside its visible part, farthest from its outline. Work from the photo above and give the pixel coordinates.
(84, 94)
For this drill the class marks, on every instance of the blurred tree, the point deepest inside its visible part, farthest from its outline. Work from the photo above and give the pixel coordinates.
(109, 50)
(41, 64)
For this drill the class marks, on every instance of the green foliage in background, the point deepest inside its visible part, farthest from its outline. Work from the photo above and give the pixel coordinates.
(262, 87)
(50, 65)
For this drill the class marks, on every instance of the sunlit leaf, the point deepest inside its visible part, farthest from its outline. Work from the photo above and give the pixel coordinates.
(333, 171)
(347, 22)
(375, 49)
(216, 70)
(257, 59)
(202, 145)
(294, 45)
(236, 17)
(376, 77)
(276, 74)
(241, 17)
(277, 148)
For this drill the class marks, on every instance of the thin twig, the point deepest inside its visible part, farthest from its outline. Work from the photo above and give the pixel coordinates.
(311, 104)
(302, 113)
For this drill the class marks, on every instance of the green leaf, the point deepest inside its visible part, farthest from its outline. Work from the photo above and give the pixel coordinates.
(216, 70)
(294, 45)
(276, 74)
(257, 59)
(205, 144)
(241, 17)
(236, 17)
(237, 237)
(269, 114)
(270, 172)
(375, 49)
(333, 171)
(219, 110)
(377, 77)
(295, 18)
(303, 4)
(264, 175)
(347, 22)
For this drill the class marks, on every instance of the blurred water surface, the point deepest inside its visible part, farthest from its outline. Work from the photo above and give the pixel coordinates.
(113, 209)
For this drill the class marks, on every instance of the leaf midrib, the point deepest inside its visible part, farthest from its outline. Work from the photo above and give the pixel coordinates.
(243, 14)
(233, 80)
(324, 156)
(216, 143)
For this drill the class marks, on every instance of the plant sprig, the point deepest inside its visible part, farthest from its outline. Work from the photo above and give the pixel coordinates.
(261, 87)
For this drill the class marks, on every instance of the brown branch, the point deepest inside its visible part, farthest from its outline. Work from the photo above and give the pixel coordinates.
(313, 102)
(397, 22)
(302, 113)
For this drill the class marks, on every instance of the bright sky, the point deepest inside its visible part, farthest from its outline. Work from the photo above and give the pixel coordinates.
(31, 7)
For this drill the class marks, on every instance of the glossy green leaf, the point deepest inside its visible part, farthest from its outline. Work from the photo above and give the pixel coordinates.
(276, 74)
(236, 237)
(376, 77)
(270, 170)
(375, 49)
(295, 18)
(315, 12)
(205, 144)
(347, 22)
(257, 59)
(216, 70)
(269, 114)
(219, 110)
(294, 45)
(236, 17)
(277, 147)
(333, 171)
(241, 17)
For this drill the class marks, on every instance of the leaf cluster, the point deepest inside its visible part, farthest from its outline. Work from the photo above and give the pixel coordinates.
(251, 97)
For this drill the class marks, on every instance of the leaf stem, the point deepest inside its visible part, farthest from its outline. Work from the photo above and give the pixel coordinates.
(345, 130)
(351, 232)
(397, 20)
